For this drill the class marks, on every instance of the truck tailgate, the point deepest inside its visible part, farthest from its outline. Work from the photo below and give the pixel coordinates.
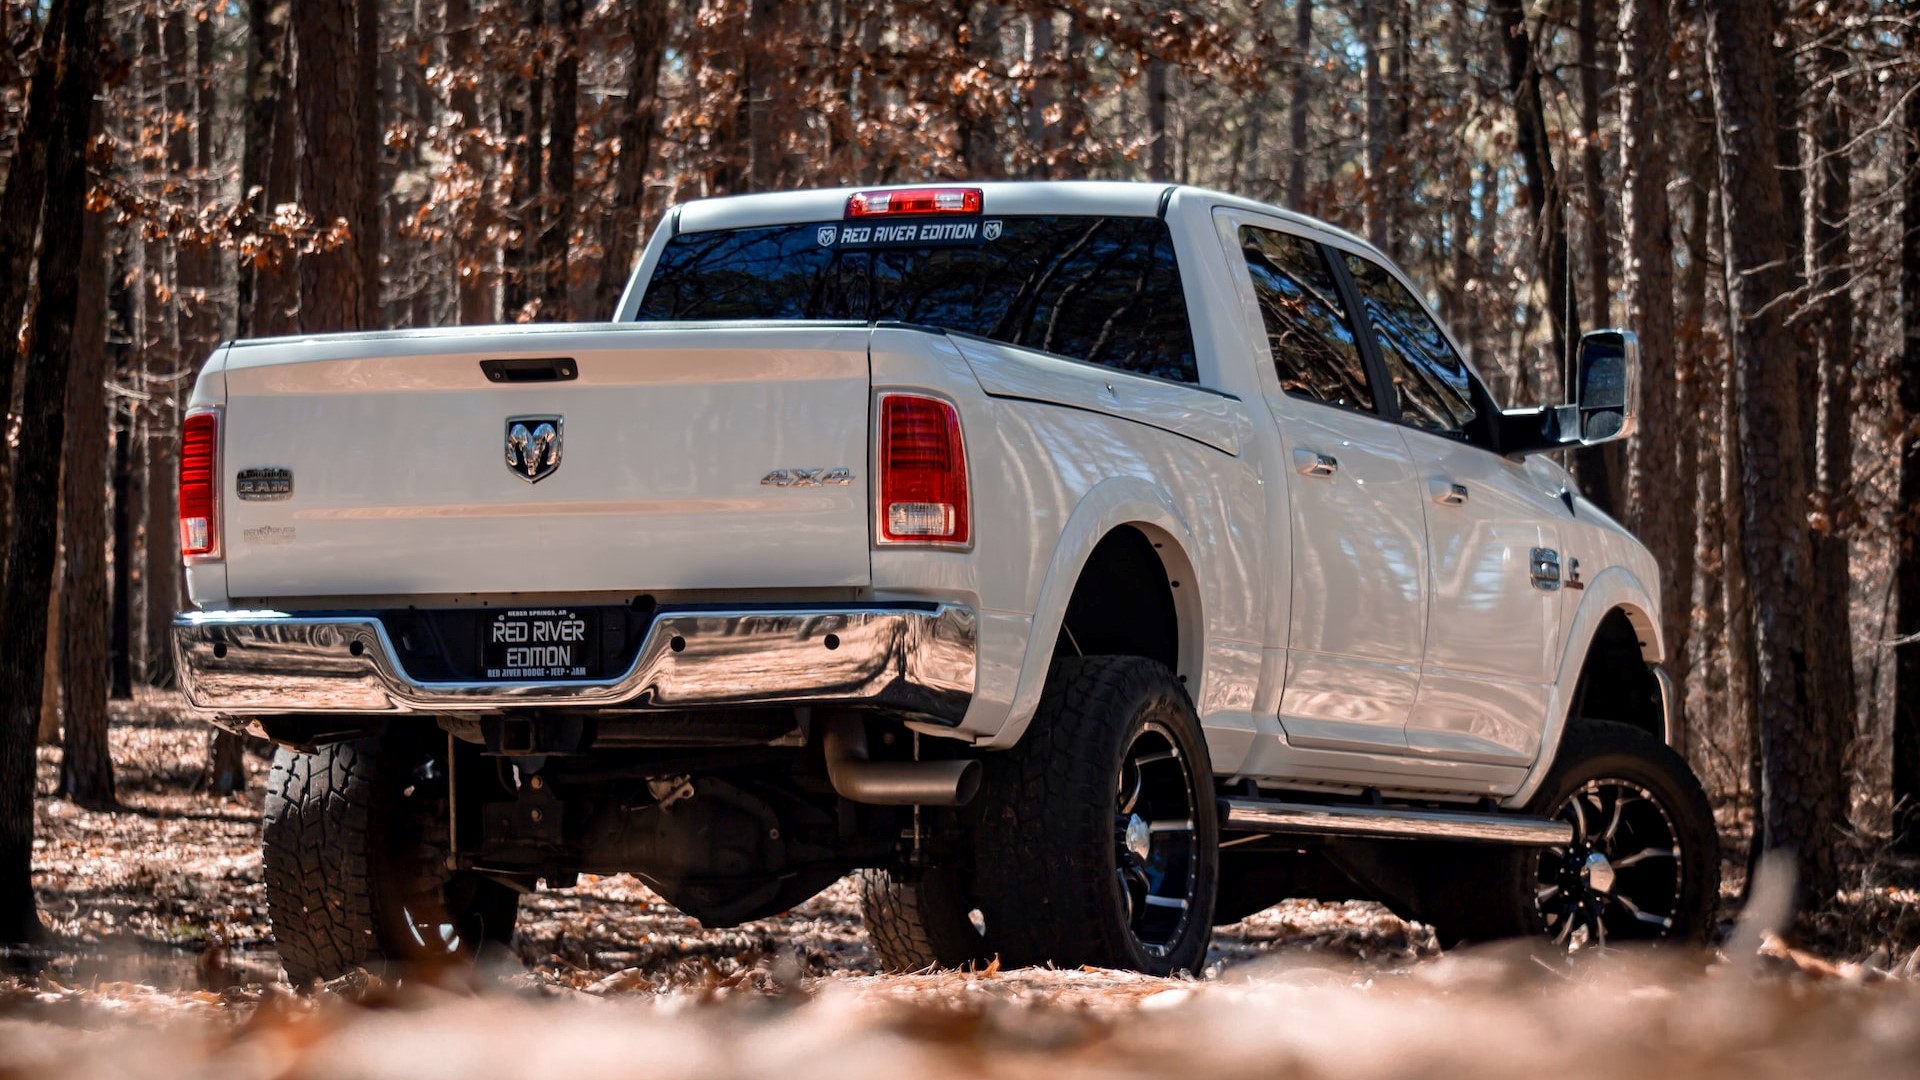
(404, 480)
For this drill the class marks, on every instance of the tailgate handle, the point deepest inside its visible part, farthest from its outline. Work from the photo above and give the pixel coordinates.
(522, 370)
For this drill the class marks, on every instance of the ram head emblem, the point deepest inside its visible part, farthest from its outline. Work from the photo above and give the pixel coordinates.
(533, 446)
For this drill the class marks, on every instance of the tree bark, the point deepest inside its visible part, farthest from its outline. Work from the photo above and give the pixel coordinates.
(1297, 105)
(1543, 186)
(1906, 664)
(30, 540)
(1040, 133)
(1592, 175)
(86, 767)
(122, 687)
(556, 301)
(1373, 87)
(760, 75)
(1827, 181)
(1660, 465)
(365, 211)
(647, 28)
(20, 213)
(1158, 144)
(327, 94)
(475, 282)
(265, 298)
(1795, 715)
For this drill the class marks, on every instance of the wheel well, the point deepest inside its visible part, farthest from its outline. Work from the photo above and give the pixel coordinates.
(1123, 604)
(1616, 683)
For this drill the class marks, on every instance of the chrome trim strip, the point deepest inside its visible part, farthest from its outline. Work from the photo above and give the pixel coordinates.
(1669, 703)
(1391, 822)
(916, 660)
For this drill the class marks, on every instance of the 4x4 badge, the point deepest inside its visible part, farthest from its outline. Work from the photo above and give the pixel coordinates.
(533, 446)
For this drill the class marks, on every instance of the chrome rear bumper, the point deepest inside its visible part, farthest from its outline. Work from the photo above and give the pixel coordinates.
(914, 659)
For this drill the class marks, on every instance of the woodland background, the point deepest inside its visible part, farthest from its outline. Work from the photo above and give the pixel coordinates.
(1738, 180)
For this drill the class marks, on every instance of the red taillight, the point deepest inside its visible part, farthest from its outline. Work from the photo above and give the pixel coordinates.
(923, 472)
(199, 477)
(916, 201)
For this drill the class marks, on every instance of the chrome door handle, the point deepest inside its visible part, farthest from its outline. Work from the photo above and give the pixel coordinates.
(1447, 493)
(1315, 464)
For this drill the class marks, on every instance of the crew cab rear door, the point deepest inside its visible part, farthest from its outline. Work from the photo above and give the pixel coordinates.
(1358, 618)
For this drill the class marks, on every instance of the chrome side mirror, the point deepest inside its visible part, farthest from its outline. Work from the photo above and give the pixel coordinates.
(1607, 394)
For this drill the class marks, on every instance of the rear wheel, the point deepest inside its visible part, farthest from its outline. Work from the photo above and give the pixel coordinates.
(1099, 840)
(918, 920)
(355, 849)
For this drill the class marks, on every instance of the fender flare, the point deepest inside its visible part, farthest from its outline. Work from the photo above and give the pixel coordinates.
(1615, 588)
(1108, 505)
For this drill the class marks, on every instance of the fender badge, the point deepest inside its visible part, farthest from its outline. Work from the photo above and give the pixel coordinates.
(264, 484)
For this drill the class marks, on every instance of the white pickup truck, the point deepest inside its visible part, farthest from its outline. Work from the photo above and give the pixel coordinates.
(1086, 564)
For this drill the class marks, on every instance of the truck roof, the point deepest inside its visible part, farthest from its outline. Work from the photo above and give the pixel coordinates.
(1114, 198)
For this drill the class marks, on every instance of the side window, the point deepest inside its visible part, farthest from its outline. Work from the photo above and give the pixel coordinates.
(1313, 344)
(1435, 391)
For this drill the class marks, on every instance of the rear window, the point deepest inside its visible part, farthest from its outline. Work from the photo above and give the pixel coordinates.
(1101, 290)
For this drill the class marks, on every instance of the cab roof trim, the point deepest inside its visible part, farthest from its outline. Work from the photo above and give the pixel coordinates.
(1114, 198)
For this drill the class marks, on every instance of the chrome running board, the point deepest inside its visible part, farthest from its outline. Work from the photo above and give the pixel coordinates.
(1389, 822)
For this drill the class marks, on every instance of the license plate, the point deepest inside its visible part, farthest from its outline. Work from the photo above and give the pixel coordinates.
(550, 643)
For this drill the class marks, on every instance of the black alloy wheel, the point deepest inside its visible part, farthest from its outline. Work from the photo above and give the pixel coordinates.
(1620, 879)
(1155, 840)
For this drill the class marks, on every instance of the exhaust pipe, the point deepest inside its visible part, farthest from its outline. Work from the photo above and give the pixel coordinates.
(893, 783)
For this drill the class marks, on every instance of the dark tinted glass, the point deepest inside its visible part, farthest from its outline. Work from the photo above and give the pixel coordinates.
(1313, 344)
(1435, 390)
(1103, 290)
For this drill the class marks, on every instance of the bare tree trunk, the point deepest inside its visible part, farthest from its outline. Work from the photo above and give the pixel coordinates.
(556, 302)
(1374, 90)
(30, 540)
(1599, 265)
(20, 213)
(1661, 458)
(1906, 669)
(48, 731)
(763, 26)
(474, 284)
(226, 763)
(269, 77)
(86, 768)
(365, 211)
(1797, 719)
(647, 27)
(1157, 142)
(1297, 104)
(1828, 195)
(1543, 185)
(980, 145)
(1073, 121)
(1040, 133)
(122, 688)
(332, 290)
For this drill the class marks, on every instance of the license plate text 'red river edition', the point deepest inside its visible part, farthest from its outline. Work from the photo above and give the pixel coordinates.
(545, 644)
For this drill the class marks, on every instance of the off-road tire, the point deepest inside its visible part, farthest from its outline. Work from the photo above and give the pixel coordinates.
(343, 846)
(1047, 864)
(1489, 894)
(917, 921)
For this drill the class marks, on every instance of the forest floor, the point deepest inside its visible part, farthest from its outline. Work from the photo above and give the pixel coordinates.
(165, 968)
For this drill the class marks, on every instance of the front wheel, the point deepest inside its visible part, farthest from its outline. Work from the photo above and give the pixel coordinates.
(355, 848)
(1644, 864)
(1099, 840)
